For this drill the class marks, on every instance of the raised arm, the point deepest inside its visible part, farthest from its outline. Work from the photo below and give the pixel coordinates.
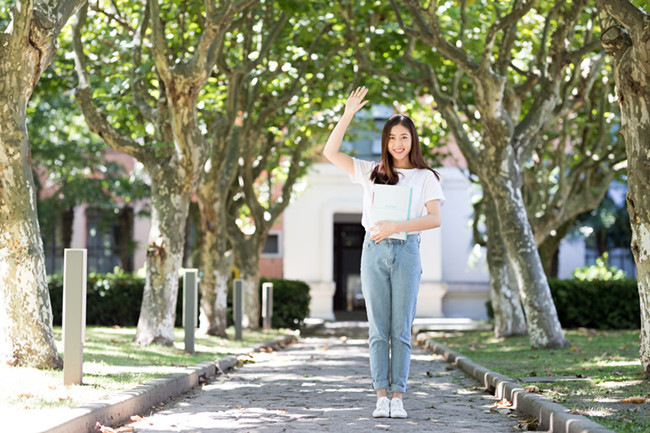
(332, 150)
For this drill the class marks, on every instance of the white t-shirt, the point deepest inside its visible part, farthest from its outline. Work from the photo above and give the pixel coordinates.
(425, 185)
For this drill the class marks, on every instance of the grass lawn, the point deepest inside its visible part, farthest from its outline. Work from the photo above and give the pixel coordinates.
(112, 363)
(606, 361)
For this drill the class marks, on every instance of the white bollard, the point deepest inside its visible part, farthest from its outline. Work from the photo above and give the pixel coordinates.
(267, 304)
(74, 314)
(190, 304)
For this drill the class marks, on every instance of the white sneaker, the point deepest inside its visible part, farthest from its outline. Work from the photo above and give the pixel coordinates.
(383, 408)
(396, 408)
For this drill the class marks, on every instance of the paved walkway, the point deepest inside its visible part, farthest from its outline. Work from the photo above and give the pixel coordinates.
(321, 384)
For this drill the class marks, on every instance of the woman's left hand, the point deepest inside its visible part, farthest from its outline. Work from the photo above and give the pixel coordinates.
(382, 230)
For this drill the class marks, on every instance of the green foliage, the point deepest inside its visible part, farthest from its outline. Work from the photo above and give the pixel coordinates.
(290, 302)
(598, 304)
(115, 299)
(111, 299)
(600, 271)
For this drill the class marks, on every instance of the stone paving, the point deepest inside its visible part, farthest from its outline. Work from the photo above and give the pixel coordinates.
(322, 384)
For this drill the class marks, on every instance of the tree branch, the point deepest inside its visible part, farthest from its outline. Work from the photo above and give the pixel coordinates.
(625, 13)
(95, 119)
(509, 20)
(140, 94)
(20, 24)
(160, 47)
(431, 33)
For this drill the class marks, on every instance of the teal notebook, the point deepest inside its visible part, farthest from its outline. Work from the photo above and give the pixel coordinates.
(391, 203)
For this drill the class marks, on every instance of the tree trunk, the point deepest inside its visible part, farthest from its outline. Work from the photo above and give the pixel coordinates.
(27, 48)
(26, 336)
(635, 112)
(248, 263)
(214, 264)
(625, 37)
(169, 201)
(509, 317)
(549, 247)
(504, 186)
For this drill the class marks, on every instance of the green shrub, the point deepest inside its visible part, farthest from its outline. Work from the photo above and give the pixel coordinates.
(115, 299)
(612, 304)
(111, 299)
(290, 302)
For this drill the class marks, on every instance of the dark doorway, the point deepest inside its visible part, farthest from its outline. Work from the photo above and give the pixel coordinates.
(348, 242)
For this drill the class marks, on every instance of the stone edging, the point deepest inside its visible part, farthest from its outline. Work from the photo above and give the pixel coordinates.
(118, 408)
(552, 416)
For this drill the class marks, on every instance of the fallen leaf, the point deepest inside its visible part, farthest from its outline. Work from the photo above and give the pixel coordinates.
(136, 418)
(411, 422)
(504, 403)
(635, 400)
(530, 424)
(103, 428)
(343, 338)
(532, 388)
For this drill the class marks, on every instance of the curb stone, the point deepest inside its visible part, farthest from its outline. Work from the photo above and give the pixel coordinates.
(118, 408)
(552, 416)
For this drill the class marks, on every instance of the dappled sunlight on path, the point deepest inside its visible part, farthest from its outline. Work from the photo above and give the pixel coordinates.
(322, 384)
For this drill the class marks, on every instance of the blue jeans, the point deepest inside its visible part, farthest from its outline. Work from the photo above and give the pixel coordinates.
(390, 279)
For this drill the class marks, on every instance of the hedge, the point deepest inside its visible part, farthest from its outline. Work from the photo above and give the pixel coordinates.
(612, 304)
(115, 299)
(290, 303)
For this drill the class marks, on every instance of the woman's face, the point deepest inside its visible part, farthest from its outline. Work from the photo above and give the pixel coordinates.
(399, 146)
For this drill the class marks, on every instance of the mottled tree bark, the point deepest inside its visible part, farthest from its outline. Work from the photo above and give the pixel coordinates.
(27, 48)
(215, 266)
(509, 319)
(626, 37)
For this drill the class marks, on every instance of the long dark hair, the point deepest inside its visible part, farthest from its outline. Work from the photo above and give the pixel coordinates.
(385, 172)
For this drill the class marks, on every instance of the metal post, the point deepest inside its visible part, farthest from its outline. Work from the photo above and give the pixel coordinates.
(190, 300)
(74, 314)
(267, 304)
(238, 307)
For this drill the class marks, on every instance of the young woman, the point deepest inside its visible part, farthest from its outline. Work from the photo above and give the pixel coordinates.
(390, 268)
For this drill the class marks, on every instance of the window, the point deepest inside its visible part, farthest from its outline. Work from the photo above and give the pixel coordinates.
(272, 246)
(109, 234)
